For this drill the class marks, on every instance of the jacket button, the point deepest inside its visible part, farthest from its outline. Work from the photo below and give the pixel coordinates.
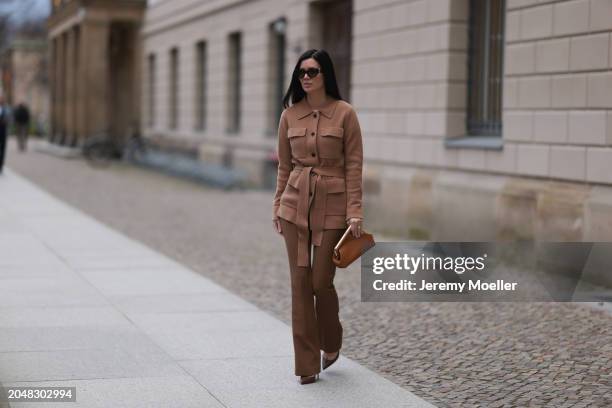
(313, 155)
(315, 115)
(311, 193)
(312, 134)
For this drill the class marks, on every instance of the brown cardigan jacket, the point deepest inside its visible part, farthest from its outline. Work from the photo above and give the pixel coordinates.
(320, 154)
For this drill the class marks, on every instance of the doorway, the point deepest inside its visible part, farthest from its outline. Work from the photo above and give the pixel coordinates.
(122, 77)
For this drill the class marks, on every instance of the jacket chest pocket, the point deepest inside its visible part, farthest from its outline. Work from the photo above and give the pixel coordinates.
(331, 142)
(297, 139)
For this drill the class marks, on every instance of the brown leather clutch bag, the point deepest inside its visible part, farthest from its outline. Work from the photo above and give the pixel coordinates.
(350, 248)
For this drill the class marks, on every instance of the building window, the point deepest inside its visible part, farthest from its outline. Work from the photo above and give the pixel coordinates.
(485, 67)
(174, 86)
(330, 24)
(234, 85)
(276, 72)
(151, 90)
(200, 81)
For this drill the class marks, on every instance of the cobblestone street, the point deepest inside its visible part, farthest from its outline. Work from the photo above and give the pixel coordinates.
(451, 354)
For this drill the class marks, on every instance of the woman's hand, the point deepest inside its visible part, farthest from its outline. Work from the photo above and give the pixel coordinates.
(277, 225)
(355, 224)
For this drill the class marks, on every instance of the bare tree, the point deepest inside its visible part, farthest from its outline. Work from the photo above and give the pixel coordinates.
(35, 28)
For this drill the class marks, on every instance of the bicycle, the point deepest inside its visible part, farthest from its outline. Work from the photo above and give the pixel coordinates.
(135, 147)
(101, 149)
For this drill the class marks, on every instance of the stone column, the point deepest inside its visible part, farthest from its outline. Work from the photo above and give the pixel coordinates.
(81, 86)
(138, 77)
(95, 66)
(62, 96)
(52, 86)
(59, 87)
(69, 88)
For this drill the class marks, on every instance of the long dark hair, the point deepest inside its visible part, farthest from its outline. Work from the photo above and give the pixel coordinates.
(295, 91)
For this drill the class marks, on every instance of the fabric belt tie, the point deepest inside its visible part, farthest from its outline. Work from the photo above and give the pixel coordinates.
(317, 215)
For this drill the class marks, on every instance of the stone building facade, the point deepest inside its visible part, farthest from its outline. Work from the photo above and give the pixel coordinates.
(481, 120)
(25, 78)
(94, 68)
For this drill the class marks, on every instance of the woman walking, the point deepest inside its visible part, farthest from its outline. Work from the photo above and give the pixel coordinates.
(318, 194)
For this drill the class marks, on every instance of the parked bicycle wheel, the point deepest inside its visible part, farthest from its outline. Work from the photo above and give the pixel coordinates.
(99, 151)
(135, 148)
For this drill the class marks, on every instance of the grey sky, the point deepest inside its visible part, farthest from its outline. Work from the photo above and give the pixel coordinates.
(20, 9)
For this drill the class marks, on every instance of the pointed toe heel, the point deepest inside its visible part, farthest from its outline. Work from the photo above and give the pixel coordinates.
(327, 363)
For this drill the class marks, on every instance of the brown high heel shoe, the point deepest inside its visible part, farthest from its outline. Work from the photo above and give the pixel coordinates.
(326, 363)
(308, 379)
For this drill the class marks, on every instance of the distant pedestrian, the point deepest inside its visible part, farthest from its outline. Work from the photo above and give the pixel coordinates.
(21, 116)
(4, 118)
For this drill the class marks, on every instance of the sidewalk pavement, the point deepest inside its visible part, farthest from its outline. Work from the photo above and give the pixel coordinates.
(83, 305)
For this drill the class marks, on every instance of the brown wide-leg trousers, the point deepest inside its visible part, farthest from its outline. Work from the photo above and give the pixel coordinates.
(315, 324)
